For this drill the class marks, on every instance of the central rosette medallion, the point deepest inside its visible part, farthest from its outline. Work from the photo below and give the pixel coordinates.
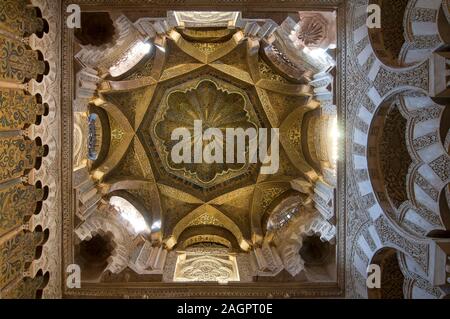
(216, 105)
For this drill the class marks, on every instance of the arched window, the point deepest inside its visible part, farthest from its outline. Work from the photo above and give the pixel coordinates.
(130, 214)
(137, 52)
(94, 137)
(280, 220)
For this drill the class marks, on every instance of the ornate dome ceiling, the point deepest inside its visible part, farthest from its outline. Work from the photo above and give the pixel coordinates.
(182, 85)
(198, 79)
(113, 138)
(216, 105)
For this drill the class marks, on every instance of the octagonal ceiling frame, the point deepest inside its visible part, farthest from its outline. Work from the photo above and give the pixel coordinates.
(158, 289)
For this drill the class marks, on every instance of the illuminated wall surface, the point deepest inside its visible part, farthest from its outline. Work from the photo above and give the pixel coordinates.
(281, 152)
